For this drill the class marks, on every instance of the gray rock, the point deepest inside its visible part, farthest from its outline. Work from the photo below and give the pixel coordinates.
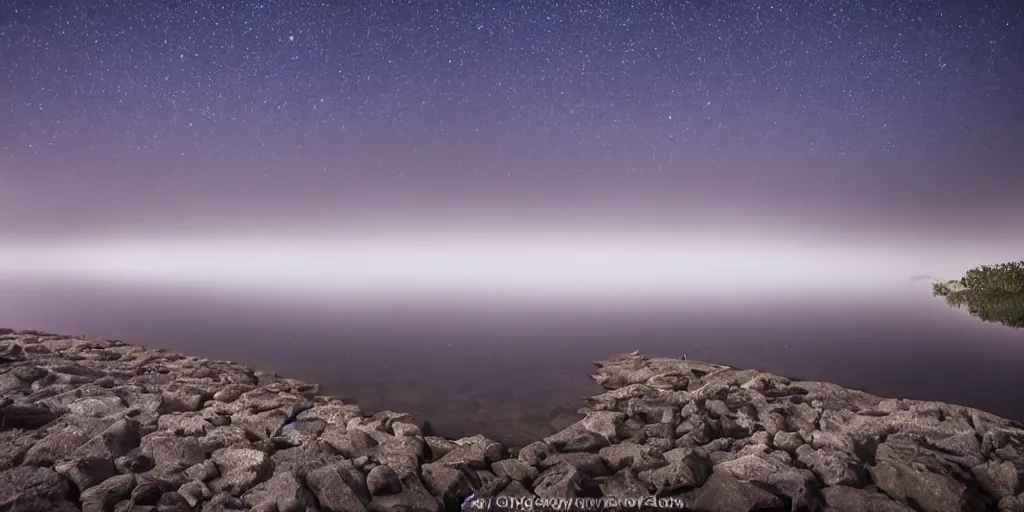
(203, 471)
(561, 481)
(799, 485)
(596, 430)
(624, 483)
(517, 490)
(534, 453)
(173, 452)
(195, 492)
(114, 441)
(413, 498)
(724, 493)
(63, 438)
(932, 492)
(182, 398)
(1000, 479)
(98, 406)
(676, 476)
(106, 494)
(1012, 504)
(848, 499)
(232, 392)
(588, 463)
(383, 480)
(402, 454)
(240, 469)
(332, 491)
(492, 450)
(515, 469)
(173, 502)
(351, 444)
(283, 492)
(31, 484)
(86, 473)
(26, 416)
(449, 484)
(831, 467)
(438, 447)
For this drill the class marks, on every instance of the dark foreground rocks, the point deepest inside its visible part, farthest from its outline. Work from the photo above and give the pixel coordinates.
(99, 425)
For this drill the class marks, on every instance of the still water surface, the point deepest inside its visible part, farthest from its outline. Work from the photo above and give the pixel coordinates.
(509, 370)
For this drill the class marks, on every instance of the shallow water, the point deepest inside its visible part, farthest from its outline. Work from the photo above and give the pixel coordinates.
(509, 370)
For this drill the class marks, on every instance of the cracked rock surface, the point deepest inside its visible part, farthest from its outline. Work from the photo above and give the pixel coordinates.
(101, 425)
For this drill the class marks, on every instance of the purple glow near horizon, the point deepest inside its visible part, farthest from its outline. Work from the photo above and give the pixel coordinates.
(895, 125)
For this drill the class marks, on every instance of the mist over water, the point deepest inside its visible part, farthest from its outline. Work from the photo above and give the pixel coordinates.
(493, 330)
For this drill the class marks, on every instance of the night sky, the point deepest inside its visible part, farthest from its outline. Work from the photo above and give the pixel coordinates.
(867, 117)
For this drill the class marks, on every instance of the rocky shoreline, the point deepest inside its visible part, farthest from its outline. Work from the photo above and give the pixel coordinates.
(101, 425)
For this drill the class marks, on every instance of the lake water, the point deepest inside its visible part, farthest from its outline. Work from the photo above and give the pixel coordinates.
(509, 370)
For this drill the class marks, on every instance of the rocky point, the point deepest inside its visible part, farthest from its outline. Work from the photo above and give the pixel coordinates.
(101, 425)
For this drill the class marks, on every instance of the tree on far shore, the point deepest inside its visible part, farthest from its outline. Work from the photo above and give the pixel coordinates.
(993, 293)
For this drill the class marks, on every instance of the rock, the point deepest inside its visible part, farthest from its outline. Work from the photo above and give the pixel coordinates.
(788, 441)
(185, 424)
(64, 437)
(28, 484)
(390, 418)
(931, 492)
(799, 485)
(26, 417)
(402, 454)
(173, 452)
(830, 466)
(447, 483)
(351, 444)
(515, 469)
(182, 399)
(147, 491)
(588, 463)
(438, 447)
(240, 469)
(1000, 479)
(724, 493)
(472, 456)
(848, 499)
(561, 481)
(203, 471)
(535, 452)
(413, 498)
(492, 450)
(133, 462)
(516, 490)
(1012, 504)
(232, 392)
(676, 476)
(332, 491)
(596, 430)
(282, 492)
(194, 492)
(116, 440)
(98, 407)
(383, 480)
(85, 473)
(173, 502)
(402, 429)
(104, 495)
(624, 483)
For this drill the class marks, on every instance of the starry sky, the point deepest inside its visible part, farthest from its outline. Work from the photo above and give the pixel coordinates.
(868, 116)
